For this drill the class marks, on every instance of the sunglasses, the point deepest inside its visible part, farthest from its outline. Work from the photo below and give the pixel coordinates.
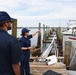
(9, 21)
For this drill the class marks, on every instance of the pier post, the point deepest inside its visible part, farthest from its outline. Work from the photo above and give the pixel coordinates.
(47, 31)
(50, 32)
(44, 33)
(39, 36)
(37, 51)
(14, 28)
(59, 40)
(67, 52)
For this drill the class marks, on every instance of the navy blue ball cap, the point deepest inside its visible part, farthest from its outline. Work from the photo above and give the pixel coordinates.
(5, 16)
(24, 30)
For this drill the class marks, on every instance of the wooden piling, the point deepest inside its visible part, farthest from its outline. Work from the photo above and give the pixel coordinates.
(59, 40)
(50, 32)
(44, 33)
(67, 52)
(39, 36)
(36, 52)
(14, 28)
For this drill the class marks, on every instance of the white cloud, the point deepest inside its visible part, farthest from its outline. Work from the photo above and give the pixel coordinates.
(9, 3)
(30, 12)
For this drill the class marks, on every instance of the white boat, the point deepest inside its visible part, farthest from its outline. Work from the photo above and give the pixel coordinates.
(66, 35)
(69, 33)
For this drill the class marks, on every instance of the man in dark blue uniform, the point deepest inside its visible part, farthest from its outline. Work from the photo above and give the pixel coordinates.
(10, 50)
(26, 47)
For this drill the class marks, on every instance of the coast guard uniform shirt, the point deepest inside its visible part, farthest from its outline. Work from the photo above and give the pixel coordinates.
(10, 53)
(25, 42)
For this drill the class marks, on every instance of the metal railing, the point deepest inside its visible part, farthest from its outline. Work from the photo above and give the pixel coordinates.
(48, 50)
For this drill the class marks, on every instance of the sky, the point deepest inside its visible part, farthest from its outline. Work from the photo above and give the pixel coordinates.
(52, 13)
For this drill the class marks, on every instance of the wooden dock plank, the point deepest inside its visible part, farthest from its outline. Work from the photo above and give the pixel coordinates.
(38, 68)
(41, 71)
(43, 65)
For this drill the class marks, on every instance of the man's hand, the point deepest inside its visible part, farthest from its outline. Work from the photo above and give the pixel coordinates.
(30, 48)
(38, 31)
(35, 33)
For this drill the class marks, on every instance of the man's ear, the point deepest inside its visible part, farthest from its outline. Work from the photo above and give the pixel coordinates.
(6, 24)
(25, 33)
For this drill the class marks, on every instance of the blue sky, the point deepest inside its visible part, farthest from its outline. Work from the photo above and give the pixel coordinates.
(48, 12)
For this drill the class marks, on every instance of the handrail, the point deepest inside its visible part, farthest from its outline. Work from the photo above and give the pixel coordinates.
(47, 51)
(44, 57)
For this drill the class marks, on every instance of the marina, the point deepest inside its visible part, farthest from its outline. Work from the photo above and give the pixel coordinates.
(55, 42)
(38, 68)
(38, 37)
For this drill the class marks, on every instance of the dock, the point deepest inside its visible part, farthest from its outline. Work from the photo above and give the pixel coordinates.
(38, 68)
(53, 40)
(39, 65)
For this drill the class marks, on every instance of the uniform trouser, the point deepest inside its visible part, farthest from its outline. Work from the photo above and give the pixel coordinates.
(25, 65)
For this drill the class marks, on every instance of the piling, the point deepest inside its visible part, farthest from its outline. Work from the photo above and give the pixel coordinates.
(49, 32)
(44, 34)
(67, 52)
(37, 51)
(39, 36)
(14, 28)
(59, 40)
